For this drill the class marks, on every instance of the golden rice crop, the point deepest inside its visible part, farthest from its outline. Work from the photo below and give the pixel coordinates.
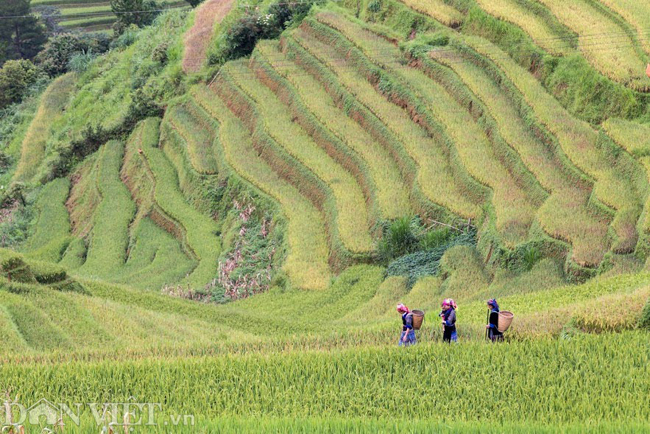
(602, 41)
(530, 22)
(392, 193)
(435, 177)
(603, 379)
(564, 214)
(636, 14)
(513, 206)
(577, 139)
(438, 9)
(306, 262)
(350, 202)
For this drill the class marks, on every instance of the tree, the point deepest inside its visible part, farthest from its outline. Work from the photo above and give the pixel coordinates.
(50, 16)
(60, 49)
(21, 34)
(138, 12)
(16, 76)
(194, 3)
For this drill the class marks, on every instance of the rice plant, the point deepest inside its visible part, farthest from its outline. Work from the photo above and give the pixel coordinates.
(437, 9)
(617, 58)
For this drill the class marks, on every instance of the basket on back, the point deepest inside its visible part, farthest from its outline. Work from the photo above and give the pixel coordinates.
(418, 318)
(505, 319)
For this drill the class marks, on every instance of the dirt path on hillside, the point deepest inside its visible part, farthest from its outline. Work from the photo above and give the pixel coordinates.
(198, 37)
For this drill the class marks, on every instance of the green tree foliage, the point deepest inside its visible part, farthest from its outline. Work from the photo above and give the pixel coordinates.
(252, 27)
(50, 17)
(133, 12)
(60, 49)
(16, 76)
(21, 34)
(194, 3)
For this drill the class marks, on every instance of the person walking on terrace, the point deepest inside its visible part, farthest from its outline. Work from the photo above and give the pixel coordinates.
(492, 326)
(407, 338)
(448, 315)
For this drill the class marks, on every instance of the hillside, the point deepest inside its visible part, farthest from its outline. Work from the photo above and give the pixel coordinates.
(221, 213)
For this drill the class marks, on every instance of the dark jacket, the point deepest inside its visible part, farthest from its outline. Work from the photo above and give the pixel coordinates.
(407, 321)
(494, 323)
(449, 317)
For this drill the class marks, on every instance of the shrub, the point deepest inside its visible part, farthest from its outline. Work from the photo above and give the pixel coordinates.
(47, 273)
(433, 239)
(427, 262)
(16, 76)
(127, 37)
(79, 62)
(59, 51)
(644, 319)
(400, 238)
(244, 34)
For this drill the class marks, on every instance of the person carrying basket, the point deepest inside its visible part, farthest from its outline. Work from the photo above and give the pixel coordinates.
(492, 326)
(407, 337)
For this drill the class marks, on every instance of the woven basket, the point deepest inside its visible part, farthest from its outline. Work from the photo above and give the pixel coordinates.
(505, 319)
(418, 319)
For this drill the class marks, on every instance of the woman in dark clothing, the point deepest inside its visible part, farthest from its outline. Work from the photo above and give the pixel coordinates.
(448, 315)
(407, 338)
(493, 331)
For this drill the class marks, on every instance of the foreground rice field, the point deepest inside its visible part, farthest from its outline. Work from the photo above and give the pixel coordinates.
(604, 380)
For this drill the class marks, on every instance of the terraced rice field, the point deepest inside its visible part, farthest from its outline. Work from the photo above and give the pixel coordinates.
(353, 221)
(612, 186)
(541, 27)
(513, 207)
(435, 176)
(307, 258)
(636, 14)
(603, 42)
(392, 192)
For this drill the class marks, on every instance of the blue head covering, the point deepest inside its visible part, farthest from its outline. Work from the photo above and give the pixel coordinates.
(493, 303)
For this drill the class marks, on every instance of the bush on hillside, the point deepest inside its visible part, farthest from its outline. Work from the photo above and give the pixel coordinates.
(644, 319)
(244, 34)
(427, 262)
(58, 52)
(15, 220)
(16, 77)
(399, 238)
(80, 61)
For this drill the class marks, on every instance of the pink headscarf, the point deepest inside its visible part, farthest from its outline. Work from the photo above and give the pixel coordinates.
(402, 308)
(450, 302)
